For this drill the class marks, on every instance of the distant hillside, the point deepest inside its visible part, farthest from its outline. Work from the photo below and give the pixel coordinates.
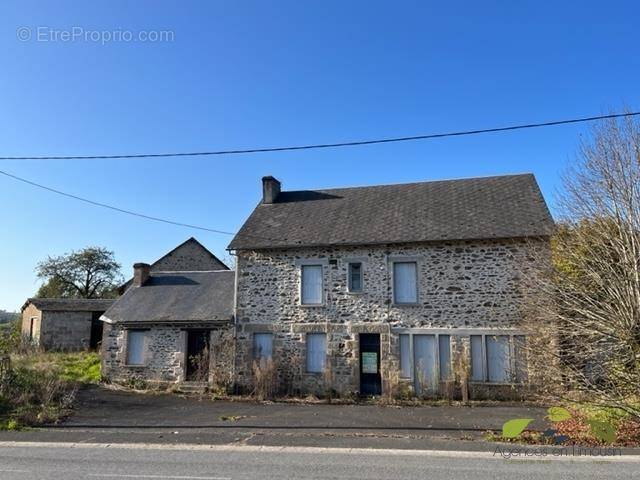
(7, 316)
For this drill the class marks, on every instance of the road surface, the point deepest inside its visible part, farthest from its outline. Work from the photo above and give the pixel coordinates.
(136, 462)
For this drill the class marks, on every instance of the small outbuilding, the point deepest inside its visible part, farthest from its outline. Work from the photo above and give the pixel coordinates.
(63, 323)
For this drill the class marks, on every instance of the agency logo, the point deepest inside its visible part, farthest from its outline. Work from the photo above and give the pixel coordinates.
(605, 432)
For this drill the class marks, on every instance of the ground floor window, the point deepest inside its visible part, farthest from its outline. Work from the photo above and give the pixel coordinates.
(426, 359)
(498, 358)
(262, 346)
(135, 347)
(316, 352)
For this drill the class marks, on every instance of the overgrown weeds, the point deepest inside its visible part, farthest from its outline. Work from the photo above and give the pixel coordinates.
(40, 388)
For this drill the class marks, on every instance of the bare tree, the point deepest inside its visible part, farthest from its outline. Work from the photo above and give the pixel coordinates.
(585, 318)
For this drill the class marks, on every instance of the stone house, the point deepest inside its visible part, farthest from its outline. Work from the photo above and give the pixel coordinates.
(171, 327)
(63, 323)
(360, 290)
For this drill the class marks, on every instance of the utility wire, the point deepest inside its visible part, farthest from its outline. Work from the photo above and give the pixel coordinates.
(122, 210)
(333, 145)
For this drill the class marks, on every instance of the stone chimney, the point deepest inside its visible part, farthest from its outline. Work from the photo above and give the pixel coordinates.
(270, 189)
(140, 274)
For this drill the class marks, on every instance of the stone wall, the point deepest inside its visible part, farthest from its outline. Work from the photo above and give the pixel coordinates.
(462, 286)
(190, 256)
(65, 330)
(164, 354)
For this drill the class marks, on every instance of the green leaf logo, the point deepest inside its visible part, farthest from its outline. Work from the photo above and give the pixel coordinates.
(515, 427)
(603, 431)
(558, 414)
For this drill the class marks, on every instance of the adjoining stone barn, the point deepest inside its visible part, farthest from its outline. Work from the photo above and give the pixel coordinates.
(171, 327)
(63, 324)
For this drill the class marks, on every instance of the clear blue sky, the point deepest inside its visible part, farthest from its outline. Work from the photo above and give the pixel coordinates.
(242, 74)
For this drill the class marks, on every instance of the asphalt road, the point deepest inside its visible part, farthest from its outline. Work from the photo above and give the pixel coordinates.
(65, 463)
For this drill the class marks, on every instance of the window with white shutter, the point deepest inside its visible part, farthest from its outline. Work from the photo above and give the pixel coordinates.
(405, 282)
(311, 284)
(262, 346)
(135, 347)
(316, 352)
(498, 358)
(477, 362)
(405, 355)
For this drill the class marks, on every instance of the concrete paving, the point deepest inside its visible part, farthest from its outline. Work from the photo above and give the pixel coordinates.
(46, 462)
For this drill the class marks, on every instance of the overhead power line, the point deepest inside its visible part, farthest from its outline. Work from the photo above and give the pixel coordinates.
(122, 210)
(332, 145)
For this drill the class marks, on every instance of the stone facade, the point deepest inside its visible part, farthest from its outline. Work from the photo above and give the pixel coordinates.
(165, 354)
(464, 287)
(190, 256)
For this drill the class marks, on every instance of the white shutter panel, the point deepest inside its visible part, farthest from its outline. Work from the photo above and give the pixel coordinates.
(316, 352)
(498, 358)
(424, 352)
(444, 349)
(405, 286)
(135, 347)
(312, 284)
(262, 346)
(405, 356)
(477, 367)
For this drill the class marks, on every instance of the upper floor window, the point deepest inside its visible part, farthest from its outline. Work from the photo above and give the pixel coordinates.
(311, 291)
(355, 277)
(405, 282)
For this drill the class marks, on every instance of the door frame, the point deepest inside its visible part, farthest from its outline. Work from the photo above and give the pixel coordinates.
(377, 382)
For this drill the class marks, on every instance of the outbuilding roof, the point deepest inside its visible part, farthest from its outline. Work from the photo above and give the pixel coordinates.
(509, 206)
(177, 297)
(70, 304)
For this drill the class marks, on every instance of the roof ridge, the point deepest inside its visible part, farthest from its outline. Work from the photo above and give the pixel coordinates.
(190, 271)
(404, 184)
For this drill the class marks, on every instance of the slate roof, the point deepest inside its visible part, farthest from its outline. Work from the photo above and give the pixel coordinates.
(208, 261)
(506, 206)
(70, 304)
(177, 297)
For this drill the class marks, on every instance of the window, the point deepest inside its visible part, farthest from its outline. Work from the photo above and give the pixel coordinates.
(425, 363)
(498, 358)
(135, 347)
(262, 346)
(316, 352)
(520, 355)
(405, 356)
(477, 363)
(355, 277)
(444, 351)
(32, 328)
(311, 284)
(405, 282)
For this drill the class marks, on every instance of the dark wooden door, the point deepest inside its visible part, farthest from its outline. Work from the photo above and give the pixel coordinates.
(370, 379)
(197, 355)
